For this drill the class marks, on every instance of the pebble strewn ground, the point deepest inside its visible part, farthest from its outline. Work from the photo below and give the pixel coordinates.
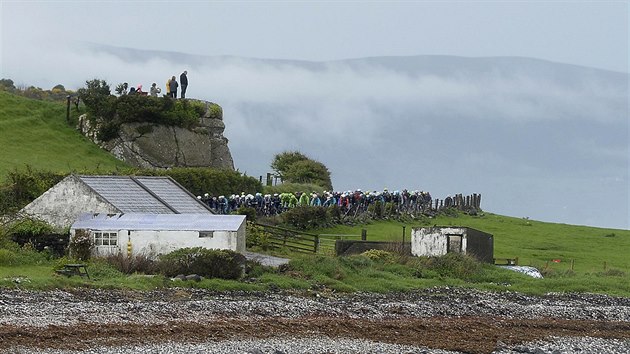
(31, 310)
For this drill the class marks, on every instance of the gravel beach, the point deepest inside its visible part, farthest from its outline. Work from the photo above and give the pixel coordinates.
(437, 320)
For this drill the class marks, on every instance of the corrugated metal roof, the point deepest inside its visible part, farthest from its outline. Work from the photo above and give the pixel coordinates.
(154, 195)
(173, 195)
(160, 222)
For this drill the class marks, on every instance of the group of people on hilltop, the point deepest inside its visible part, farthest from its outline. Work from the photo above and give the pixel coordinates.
(171, 87)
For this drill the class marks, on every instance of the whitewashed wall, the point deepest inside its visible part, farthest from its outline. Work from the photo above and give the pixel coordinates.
(62, 204)
(431, 241)
(154, 243)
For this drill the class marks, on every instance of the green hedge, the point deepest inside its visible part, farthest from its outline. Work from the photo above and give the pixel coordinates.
(307, 217)
(215, 182)
(224, 264)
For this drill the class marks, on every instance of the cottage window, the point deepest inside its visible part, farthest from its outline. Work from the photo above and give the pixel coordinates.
(206, 234)
(105, 238)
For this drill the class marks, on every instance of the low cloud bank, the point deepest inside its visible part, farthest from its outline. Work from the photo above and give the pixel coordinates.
(378, 126)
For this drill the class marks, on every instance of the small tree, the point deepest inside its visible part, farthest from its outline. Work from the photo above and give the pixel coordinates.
(296, 167)
(98, 99)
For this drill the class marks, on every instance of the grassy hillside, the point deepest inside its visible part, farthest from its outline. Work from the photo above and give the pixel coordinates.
(35, 133)
(535, 243)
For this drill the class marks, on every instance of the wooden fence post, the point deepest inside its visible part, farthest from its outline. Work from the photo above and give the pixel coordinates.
(363, 235)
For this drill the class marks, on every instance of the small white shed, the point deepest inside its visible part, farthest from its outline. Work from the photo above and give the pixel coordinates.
(155, 234)
(438, 241)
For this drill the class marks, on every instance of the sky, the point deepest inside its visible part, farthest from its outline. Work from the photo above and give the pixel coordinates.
(44, 43)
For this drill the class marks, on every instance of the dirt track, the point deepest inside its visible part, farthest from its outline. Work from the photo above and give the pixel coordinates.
(474, 335)
(79, 321)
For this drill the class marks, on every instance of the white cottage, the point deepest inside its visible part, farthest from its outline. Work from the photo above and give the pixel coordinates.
(74, 195)
(155, 234)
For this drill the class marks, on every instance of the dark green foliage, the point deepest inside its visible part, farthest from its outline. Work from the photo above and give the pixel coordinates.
(7, 85)
(98, 99)
(249, 212)
(131, 264)
(208, 180)
(309, 171)
(215, 111)
(453, 265)
(158, 110)
(306, 217)
(283, 161)
(334, 214)
(22, 187)
(39, 234)
(108, 131)
(224, 264)
(296, 167)
(110, 111)
(257, 237)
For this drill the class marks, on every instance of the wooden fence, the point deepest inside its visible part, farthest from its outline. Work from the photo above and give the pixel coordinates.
(294, 240)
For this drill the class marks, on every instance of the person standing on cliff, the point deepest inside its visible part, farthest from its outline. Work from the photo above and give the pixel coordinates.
(173, 87)
(183, 80)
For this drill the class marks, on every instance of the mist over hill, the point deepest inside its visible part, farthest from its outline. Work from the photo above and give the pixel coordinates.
(536, 138)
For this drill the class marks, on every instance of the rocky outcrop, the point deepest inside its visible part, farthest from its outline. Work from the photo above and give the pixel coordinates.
(147, 145)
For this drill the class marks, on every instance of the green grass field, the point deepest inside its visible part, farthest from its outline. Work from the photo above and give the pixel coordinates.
(535, 243)
(35, 133)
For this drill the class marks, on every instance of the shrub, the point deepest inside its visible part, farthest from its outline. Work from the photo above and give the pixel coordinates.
(98, 99)
(8, 258)
(249, 212)
(81, 245)
(257, 237)
(379, 256)
(224, 264)
(306, 217)
(23, 186)
(208, 180)
(214, 111)
(139, 263)
(455, 265)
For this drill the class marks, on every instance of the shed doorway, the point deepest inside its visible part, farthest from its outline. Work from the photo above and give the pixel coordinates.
(454, 244)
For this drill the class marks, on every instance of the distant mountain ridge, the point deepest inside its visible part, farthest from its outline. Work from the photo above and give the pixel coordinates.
(418, 64)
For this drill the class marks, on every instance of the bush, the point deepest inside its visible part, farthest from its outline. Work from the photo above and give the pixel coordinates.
(208, 180)
(379, 256)
(39, 234)
(306, 217)
(215, 111)
(224, 264)
(288, 187)
(257, 237)
(23, 186)
(8, 258)
(454, 265)
(81, 245)
(249, 212)
(139, 263)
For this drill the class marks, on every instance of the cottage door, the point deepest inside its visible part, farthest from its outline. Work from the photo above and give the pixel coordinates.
(454, 243)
